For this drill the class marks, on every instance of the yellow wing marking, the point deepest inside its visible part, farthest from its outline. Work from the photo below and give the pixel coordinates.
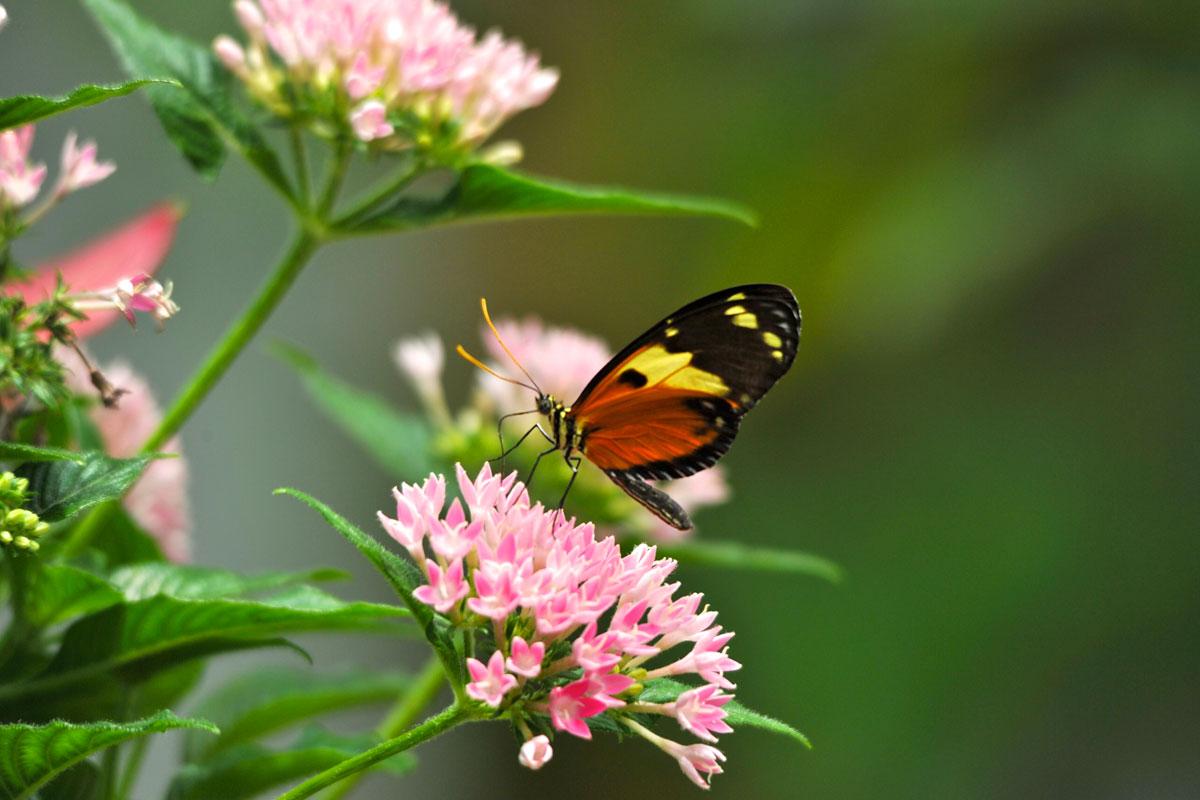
(674, 370)
(772, 339)
(733, 311)
(746, 320)
(736, 296)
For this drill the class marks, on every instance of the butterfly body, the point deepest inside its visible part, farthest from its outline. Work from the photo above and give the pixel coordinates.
(670, 403)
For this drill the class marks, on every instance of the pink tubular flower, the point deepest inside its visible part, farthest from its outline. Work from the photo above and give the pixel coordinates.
(139, 293)
(20, 179)
(574, 626)
(158, 502)
(80, 168)
(536, 752)
(385, 58)
(489, 683)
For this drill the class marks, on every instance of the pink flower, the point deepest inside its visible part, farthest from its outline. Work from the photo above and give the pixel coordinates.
(698, 758)
(421, 359)
(570, 705)
(139, 293)
(699, 711)
(158, 502)
(489, 683)
(20, 179)
(411, 57)
(536, 752)
(139, 246)
(444, 589)
(526, 659)
(80, 168)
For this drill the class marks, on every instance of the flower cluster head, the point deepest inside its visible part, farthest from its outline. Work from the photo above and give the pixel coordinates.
(21, 179)
(19, 527)
(570, 629)
(401, 73)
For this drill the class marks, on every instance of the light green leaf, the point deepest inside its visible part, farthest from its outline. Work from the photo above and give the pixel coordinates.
(249, 770)
(28, 108)
(268, 700)
(737, 715)
(31, 755)
(200, 117)
(61, 489)
(18, 453)
(484, 192)
(60, 592)
(731, 555)
(402, 576)
(400, 443)
(140, 581)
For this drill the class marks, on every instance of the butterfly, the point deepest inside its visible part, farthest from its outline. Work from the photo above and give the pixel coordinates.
(670, 403)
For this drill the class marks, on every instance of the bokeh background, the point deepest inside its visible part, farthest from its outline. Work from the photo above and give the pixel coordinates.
(989, 213)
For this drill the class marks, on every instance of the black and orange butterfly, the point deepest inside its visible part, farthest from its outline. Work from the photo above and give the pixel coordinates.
(670, 403)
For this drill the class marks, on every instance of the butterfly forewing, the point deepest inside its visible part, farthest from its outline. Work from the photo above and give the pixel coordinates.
(669, 404)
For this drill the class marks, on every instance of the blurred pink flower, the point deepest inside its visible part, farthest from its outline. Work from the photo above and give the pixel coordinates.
(409, 57)
(137, 247)
(20, 179)
(607, 617)
(158, 502)
(139, 293)
(80, 168)
(536, 752)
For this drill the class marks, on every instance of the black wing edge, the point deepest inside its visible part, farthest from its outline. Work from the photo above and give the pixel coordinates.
(656, 502)
(772, 291)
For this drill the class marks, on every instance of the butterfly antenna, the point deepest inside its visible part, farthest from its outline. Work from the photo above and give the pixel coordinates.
(488, 318)
(462, 351)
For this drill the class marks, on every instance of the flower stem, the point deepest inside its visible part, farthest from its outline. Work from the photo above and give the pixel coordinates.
(407, 708)
(434, 726)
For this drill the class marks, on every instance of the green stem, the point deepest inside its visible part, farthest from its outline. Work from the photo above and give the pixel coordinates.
(407, 708)
(337, 174)
(384, 191)
(300, 156)
(434, 726)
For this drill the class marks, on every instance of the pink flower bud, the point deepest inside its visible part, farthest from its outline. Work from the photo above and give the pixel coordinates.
(231, 54)
(536, 752)
(369, 121)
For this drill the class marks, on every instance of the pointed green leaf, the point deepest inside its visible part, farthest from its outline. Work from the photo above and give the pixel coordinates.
(18, 453)
(484, 192)
(268, 700)
(31, 755)
(140, 581)
(61, 489)
(60, 592)
(199, 117)
(249, 770)
(400, 443)
(402, 576)
(737, 715)
(731, 555)
(29, 108)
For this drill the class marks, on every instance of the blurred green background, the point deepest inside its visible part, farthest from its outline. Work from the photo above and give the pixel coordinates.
(989, 213)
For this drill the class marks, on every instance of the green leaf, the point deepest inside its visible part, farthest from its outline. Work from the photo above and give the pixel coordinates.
(199, 117)
(61, 489)
(31, 755)
(27, 108)
(267, 700)
(60, 592)
(81, 782)
(400, 443)
(402, 576)
(140, 581)
(485, 192)
(664, 690)
(18, 453)
(131, 642)
(249, 770)
(731, 555)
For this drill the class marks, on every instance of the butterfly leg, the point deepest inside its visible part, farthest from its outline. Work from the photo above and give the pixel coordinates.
(500, 435)
(537, 461)
(504, 453)
(573, 462)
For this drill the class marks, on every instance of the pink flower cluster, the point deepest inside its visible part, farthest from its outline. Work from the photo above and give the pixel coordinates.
(578, 628)
(21, 179)
(385, 59)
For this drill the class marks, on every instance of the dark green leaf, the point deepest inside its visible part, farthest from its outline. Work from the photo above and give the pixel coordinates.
(24, 109)
(737, 715)
(80, 782)
(485, 192)
(400, 443)
(18, 453)
(249, 770)
(140, 581)
(401, 574)
(31, 755)
(132, 641)
(200, 116)
(60, 592)
(120, 541)
(731, 555)
(61, 489)
(268, 700)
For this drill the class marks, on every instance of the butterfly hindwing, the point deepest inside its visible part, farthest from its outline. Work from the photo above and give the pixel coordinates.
(656, 501)
(669, 404)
